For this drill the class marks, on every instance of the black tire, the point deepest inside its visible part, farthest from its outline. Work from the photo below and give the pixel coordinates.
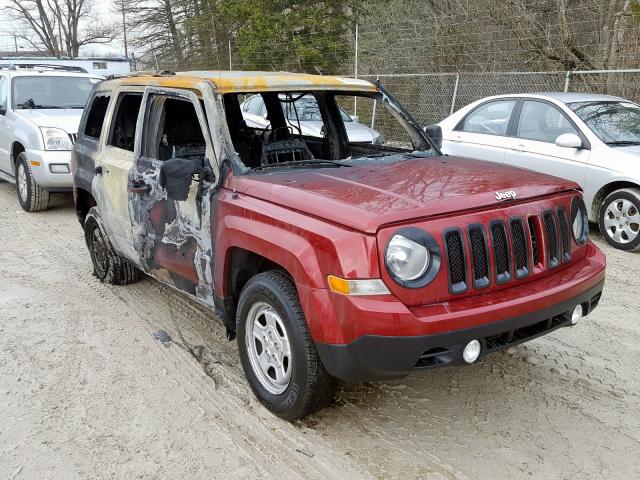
(108, 265)
(34, 198)
(626, 243)
(310, 387)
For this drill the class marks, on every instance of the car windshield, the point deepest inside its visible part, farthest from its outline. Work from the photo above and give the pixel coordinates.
(306, 109)
(321, 129)
(51, 92)
(615, 123)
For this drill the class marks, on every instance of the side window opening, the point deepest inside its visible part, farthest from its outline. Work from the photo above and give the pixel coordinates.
(491, 118)
(123, 132)
(95, 118)
(179, 134)
(542, 122)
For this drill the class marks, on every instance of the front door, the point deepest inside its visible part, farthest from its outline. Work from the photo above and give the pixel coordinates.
(533, 146)
(171, 230)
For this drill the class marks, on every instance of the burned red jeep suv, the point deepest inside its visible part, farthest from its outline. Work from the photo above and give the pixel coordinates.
(325, 228)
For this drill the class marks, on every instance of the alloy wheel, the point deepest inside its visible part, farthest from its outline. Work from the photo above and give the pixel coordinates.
(268, 347)
(622, 220)
(23, 189)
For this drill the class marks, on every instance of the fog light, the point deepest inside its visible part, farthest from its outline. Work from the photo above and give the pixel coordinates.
(576, 315)
(59, 168)
(472, 351)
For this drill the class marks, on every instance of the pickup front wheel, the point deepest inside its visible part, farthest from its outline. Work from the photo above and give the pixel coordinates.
(32, 197)
(278, 356)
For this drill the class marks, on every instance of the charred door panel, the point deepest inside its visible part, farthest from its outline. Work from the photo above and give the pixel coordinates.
(171, 235)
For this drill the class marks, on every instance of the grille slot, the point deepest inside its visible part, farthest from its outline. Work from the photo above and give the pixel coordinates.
(73, 137)
(456, 261)
(535, 244)
(520, 248)
(564, 234)
(500, 251)
(479, 256)
(551, 236)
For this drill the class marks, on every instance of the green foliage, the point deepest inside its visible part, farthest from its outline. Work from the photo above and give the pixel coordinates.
(302, 35)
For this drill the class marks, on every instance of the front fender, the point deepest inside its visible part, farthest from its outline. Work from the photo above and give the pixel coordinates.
(308, 248)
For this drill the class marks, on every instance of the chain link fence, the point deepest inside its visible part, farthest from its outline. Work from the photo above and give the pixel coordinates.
(431, 97)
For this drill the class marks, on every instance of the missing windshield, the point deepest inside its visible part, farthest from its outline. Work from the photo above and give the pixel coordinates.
(321, 128)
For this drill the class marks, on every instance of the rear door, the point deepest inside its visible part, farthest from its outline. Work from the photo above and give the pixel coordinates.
(172, 236)
(483, 132)
(539, 124)
(113, 163)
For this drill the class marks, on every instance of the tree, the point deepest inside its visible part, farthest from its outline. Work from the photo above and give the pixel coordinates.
(60, 27)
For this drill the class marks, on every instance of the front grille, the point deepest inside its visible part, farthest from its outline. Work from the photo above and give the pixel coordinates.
(500, 251)
(456, 261)
(520, 248)
(535, 245)
(551, 234)
(503, 251)
(564, 235)
(479, 256)
(522, 334)
(73, 137)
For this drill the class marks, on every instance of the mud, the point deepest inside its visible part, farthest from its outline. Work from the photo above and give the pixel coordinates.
(139, 382)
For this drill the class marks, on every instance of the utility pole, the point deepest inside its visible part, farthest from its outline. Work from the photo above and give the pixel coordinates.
(124, 32)
(230, 68)
(15, 40)
(355, 74)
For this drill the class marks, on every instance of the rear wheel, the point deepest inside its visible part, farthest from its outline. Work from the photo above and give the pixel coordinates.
(32, 197)
(277, 352)
(108, 265)
(619, 219)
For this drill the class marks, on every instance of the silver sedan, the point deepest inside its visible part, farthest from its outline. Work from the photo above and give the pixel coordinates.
(591, 139)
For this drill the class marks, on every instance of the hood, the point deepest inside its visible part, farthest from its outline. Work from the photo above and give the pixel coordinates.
(66, 119)
(356, 132)
(632, 149)
(370, 196)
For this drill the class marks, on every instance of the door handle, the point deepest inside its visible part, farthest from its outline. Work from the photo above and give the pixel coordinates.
(139, 187)
(518, 148)
(98, 170)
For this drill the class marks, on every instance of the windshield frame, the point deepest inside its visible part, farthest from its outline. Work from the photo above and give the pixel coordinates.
(575, 106)
(92, 81)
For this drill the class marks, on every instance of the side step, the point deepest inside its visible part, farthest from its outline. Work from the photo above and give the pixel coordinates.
(7, 177)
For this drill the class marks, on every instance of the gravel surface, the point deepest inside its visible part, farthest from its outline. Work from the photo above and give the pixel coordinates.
(139, 382)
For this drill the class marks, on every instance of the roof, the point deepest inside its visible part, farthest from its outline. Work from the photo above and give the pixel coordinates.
(34, 72)
(245, 82)
(566, 97)
(36, 56)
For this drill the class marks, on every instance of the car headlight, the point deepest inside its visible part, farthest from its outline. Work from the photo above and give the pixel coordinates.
(412, 257)
(579, 221)
(55, 139)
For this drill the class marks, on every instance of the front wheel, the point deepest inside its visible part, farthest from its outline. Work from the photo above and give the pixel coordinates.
(32, 197)
(278, 356)
(619, 219)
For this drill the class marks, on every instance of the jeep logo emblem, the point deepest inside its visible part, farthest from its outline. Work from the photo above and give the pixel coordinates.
(506, 195)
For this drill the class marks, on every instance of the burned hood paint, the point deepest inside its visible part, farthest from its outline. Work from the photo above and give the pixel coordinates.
(368, 196)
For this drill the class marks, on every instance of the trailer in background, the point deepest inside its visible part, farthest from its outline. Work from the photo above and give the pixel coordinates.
(99, 65)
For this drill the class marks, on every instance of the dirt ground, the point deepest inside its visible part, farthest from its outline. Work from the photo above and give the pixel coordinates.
(89, 389)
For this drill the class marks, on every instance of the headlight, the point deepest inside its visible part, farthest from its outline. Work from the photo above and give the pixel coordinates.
(579, 221)
(412, 257)
(407, 259)
(55, 139)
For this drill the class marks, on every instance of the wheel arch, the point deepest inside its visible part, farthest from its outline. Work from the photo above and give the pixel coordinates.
(16, 149)
(83, 201)
(605, 191)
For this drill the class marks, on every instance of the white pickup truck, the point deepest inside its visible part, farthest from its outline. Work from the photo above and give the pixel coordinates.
(40, 109)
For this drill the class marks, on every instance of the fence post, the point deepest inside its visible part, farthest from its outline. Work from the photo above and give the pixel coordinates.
(455, 94)
(355, 74)
(567, 79)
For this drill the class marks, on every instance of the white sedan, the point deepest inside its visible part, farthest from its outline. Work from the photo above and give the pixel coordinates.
(591, 139)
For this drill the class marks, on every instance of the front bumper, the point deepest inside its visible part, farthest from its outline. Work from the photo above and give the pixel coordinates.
(41, 161)
(520, 314)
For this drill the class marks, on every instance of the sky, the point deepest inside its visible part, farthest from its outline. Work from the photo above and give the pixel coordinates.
(104, 8)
